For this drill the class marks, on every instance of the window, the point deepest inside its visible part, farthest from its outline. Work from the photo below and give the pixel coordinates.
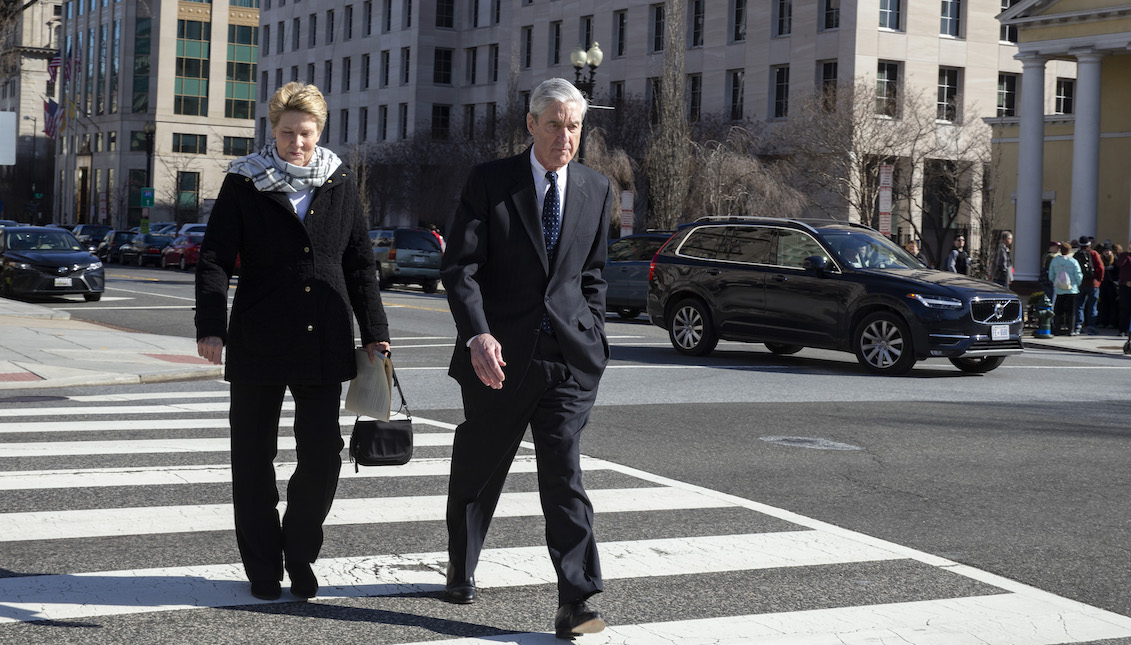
(446, 14)
(344, 127)
(312, 36)
(496, 11)
(1065, 93)
(142, 33)
(238, 146)
(347, 68)
(294, 75)
(695, 97)
(736, 80)
(137, 141)
(278, 78)
(387, 12)
(697, 13)
(493, 64)
(441, 122)
(471, 66)
(1008, 32)
(243, 54)
(296, 27)
(949, 20)
(887, 86)
(474, 13)
(330, 26)
(406, 68)
(781, 92)
(384, 71)
(406, 15)
(890, 14)
(363, 126)
(828, 83)
(442, 67)
(948, 94)
(347, 28)
(280, 38)
(1006, 95)
(830, 14)
(585, 29)
(327, 77)
(527, 46)
(382, 122)
(367, 7)
(738, 21)
(310, 73)
(657, 27)
(188, 194)
(555, 43)
(653, 93)
(620, 30)
(783, 18)
(794, 247)
(365, 71)
(469, 122)
(193, 144)
(190, 90)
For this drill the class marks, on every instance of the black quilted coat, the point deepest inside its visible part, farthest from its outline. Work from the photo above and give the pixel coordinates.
(301, 283)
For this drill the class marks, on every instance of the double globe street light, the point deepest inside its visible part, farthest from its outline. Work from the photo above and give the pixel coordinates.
(580, 58)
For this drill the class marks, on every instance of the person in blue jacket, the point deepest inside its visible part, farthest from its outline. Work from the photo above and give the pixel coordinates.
(1065, 275)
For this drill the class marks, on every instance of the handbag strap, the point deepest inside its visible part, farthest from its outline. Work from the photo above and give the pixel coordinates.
(404, 403)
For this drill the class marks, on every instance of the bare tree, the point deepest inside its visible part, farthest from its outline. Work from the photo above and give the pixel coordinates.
(668, 163)
(731, 179)
(357, 160)
(614, 164)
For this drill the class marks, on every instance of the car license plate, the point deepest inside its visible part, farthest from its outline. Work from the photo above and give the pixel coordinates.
(419, 259)
(63, 282)
(999, 332)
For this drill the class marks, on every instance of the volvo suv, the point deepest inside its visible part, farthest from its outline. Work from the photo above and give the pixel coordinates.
(828, 284)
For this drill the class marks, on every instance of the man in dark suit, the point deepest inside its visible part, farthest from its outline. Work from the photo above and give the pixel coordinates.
(523, 275)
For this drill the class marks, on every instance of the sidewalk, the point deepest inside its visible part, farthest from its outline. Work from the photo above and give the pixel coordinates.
(41, 347)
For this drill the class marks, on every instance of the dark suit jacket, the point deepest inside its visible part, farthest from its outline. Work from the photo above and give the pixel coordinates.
(499, 281)
(301, 284)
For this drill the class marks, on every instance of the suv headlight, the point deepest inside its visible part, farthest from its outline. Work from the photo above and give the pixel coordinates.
(94, 265)
(936, 302)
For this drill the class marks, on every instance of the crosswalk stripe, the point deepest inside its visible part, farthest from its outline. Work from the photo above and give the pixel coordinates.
(176, 475)
(117, 592)
(1002, 619)
(217, 423)
(103, 522)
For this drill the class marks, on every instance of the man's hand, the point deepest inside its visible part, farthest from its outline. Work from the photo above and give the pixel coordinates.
(210, 348)
(487, 359)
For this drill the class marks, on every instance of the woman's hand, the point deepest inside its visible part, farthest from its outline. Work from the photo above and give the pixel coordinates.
(210, 348)
(374, 347)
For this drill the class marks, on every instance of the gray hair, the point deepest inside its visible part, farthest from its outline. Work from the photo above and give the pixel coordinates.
(556, 90)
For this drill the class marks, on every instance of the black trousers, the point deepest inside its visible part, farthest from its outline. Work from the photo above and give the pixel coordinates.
(254, 415)
(1124, 306)
(1064, 312)
(556, 409)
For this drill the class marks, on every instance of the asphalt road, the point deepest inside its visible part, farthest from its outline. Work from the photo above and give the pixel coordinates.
(1021, 472)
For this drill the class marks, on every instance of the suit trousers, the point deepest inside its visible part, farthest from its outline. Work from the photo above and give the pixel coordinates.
(550, 401)
(254, 415)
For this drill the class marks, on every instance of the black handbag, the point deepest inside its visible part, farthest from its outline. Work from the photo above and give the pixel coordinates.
(382, 443)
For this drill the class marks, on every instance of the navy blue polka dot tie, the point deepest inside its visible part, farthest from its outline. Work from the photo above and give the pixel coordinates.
(551, 226)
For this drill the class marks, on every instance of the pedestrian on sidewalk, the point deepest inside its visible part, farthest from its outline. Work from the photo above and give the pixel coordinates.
(1001, 268)
(292, 217)
(1123, 267)
(1064, 271)
(1092, 270)
(523, 276)
(958, 261)
(1108, 317)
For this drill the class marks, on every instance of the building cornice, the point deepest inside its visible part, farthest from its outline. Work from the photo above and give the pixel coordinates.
(1031, 14)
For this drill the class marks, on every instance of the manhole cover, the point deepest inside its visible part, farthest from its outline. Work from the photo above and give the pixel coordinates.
(810, 442)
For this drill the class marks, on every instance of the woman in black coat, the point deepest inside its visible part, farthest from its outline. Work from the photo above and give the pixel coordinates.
(291, 217)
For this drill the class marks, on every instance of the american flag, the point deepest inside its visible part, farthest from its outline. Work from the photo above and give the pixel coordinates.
(67, 62)
(53, 66)
(50, 118)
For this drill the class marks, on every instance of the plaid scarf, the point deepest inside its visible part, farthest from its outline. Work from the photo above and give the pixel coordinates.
(273, 175)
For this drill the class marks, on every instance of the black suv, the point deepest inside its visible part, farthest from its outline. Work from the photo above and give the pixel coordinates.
(822, 283)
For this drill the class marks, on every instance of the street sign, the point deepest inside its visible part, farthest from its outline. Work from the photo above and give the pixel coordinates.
(146, 197)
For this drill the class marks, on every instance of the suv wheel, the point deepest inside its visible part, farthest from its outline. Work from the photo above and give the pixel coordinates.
(430, 286)
(782, 349)
(883, 344)
(978, 365)
(690, 330)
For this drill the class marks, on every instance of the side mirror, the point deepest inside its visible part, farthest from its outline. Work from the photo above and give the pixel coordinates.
(815, 263)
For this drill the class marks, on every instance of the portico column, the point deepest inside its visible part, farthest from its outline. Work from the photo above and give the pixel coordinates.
(1086, 147)
(1030, 170)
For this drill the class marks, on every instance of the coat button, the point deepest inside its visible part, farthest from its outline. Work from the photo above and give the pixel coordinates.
(306, 249)
(329, 181)
(307, 289)
(310, 328)
(311, 212)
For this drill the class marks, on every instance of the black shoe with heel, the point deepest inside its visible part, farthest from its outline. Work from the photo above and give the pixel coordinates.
(576, 618)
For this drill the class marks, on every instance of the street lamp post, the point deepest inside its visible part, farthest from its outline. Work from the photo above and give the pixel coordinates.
(580, 58)
(150, 129)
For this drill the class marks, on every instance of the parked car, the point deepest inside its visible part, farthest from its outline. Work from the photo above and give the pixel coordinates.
(8, 222)
(90, 235)
(144, 249)
(184, 252)
(192, 228)
(626, 272)
(820, 283)
(108, 248)
(407, 256)
(37, 260)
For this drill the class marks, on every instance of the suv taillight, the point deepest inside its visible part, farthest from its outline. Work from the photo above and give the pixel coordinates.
(392, 253)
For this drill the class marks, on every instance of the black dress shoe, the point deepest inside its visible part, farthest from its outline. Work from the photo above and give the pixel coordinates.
(460, 592)
(575, 619)
(266, 589)
(303, 582)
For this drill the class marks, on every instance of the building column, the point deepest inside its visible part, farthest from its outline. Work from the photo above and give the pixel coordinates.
(1086, 147)
(1030, 171)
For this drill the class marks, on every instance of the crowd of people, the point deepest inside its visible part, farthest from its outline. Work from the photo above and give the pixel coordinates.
(1086, 287)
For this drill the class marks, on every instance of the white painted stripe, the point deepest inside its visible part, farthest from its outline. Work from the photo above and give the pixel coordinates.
(219, 423)
(1003, 619)
(146, 396)
(177, 475)
(163, 446)
(154, 520)
(120, 592)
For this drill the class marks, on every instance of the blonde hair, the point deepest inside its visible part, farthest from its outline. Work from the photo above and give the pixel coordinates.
(297, 97)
